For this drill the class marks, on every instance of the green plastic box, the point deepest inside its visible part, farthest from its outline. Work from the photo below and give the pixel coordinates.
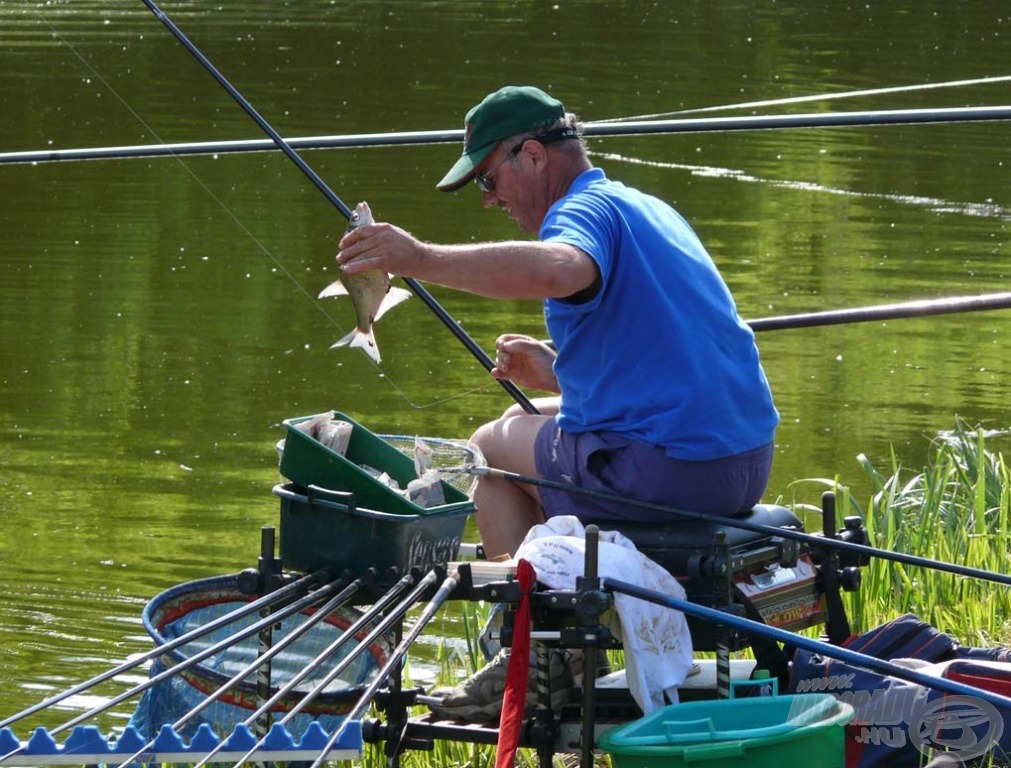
(759, 732)
(321, 528)
(307, 462)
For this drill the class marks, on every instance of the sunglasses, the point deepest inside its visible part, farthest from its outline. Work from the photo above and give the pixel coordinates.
(486, 183)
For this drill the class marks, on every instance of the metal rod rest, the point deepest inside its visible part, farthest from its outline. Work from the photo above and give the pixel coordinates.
(308, 601)
(311, 667)
(324, 611)
(427, 614)
(394, 616)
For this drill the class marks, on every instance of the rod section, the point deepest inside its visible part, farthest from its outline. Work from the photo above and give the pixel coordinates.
(269, 599)
(590, 130)
(809, 644)
(906, 309)
(731, 522)
(426, 298)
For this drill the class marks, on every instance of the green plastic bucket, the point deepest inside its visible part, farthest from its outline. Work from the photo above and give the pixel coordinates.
(760, 732)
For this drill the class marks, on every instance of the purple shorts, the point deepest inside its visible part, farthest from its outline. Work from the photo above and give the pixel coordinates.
(616, 465)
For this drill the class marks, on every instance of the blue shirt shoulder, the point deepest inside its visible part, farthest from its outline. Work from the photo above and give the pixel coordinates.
(659, 353)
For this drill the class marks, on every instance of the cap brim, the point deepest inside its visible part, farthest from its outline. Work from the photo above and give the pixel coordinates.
(462, 171)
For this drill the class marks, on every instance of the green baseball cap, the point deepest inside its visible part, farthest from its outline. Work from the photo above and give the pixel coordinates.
(509, 111)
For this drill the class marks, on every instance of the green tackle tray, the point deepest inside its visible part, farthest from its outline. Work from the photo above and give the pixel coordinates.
(307, 462)
(321, 527)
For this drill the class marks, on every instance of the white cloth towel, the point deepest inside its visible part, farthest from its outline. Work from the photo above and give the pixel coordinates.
(658, 646)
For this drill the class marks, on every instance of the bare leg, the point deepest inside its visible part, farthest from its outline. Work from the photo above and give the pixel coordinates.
(507, 510)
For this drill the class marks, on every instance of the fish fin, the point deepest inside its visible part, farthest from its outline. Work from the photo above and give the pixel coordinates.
(336, 288)
(393, 297)
(365, 341)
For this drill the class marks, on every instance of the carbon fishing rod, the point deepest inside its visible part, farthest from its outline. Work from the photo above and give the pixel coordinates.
(266, 601)
(320, 615)
(731, 522)
(864, 92)
(905, 309)
(807, 643)
(420, 291)
(308, 601)
(590, 130)
(395, 615)
(306, 670)
(427, 614)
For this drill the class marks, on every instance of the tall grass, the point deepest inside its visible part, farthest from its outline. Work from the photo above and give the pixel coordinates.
(955, 509)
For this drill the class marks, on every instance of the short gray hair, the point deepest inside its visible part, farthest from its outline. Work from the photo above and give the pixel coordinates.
(568, 122)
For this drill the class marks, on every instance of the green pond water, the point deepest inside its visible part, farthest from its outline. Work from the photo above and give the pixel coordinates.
(158, 318)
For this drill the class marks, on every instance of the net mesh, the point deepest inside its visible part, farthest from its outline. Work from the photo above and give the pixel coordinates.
(453, 458)
(187, 607)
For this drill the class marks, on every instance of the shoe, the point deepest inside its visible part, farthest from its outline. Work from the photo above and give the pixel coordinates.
(479, 697)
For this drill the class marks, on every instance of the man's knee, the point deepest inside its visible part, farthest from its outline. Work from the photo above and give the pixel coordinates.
(513, 410)
(483, 434)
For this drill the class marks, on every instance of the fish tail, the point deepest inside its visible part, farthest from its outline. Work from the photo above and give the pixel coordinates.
(363, 340)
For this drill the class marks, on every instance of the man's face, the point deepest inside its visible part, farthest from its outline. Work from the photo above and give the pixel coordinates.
(504, 171)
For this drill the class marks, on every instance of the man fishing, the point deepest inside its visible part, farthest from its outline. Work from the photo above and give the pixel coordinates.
(662, 394)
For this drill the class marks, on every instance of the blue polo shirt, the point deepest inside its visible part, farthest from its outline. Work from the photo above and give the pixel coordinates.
(660, 353)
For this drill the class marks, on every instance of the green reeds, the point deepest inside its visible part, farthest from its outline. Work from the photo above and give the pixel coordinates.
(956, 510)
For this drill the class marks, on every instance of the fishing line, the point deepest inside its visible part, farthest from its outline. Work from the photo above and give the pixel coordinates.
(278, 264)
(416, 287)
(817, 97)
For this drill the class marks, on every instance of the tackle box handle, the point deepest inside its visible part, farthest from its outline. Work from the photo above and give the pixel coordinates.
(345, 502)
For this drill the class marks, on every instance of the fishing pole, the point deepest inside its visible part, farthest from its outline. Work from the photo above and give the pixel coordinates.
(809, 644)
(732, 522)
(339, 204)
(320, 615)
(267, 600)
(427, 614)
(395, 615)
(900, 310)
(590, 130)
(365, 619)
(826, 97)
(299, 605)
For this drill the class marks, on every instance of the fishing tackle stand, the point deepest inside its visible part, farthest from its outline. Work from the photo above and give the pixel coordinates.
(776, 580)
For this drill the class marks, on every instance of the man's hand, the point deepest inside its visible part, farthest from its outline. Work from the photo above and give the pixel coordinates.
(525, 361)
(380, 246)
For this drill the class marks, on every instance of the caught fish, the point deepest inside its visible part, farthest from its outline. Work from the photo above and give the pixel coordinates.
(370, 292)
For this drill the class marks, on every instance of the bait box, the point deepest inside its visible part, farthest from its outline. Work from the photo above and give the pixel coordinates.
(307, 462)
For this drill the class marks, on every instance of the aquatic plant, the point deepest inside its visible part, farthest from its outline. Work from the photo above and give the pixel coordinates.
(956, 509)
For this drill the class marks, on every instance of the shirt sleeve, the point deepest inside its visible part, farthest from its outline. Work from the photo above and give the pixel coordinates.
(588, 223)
